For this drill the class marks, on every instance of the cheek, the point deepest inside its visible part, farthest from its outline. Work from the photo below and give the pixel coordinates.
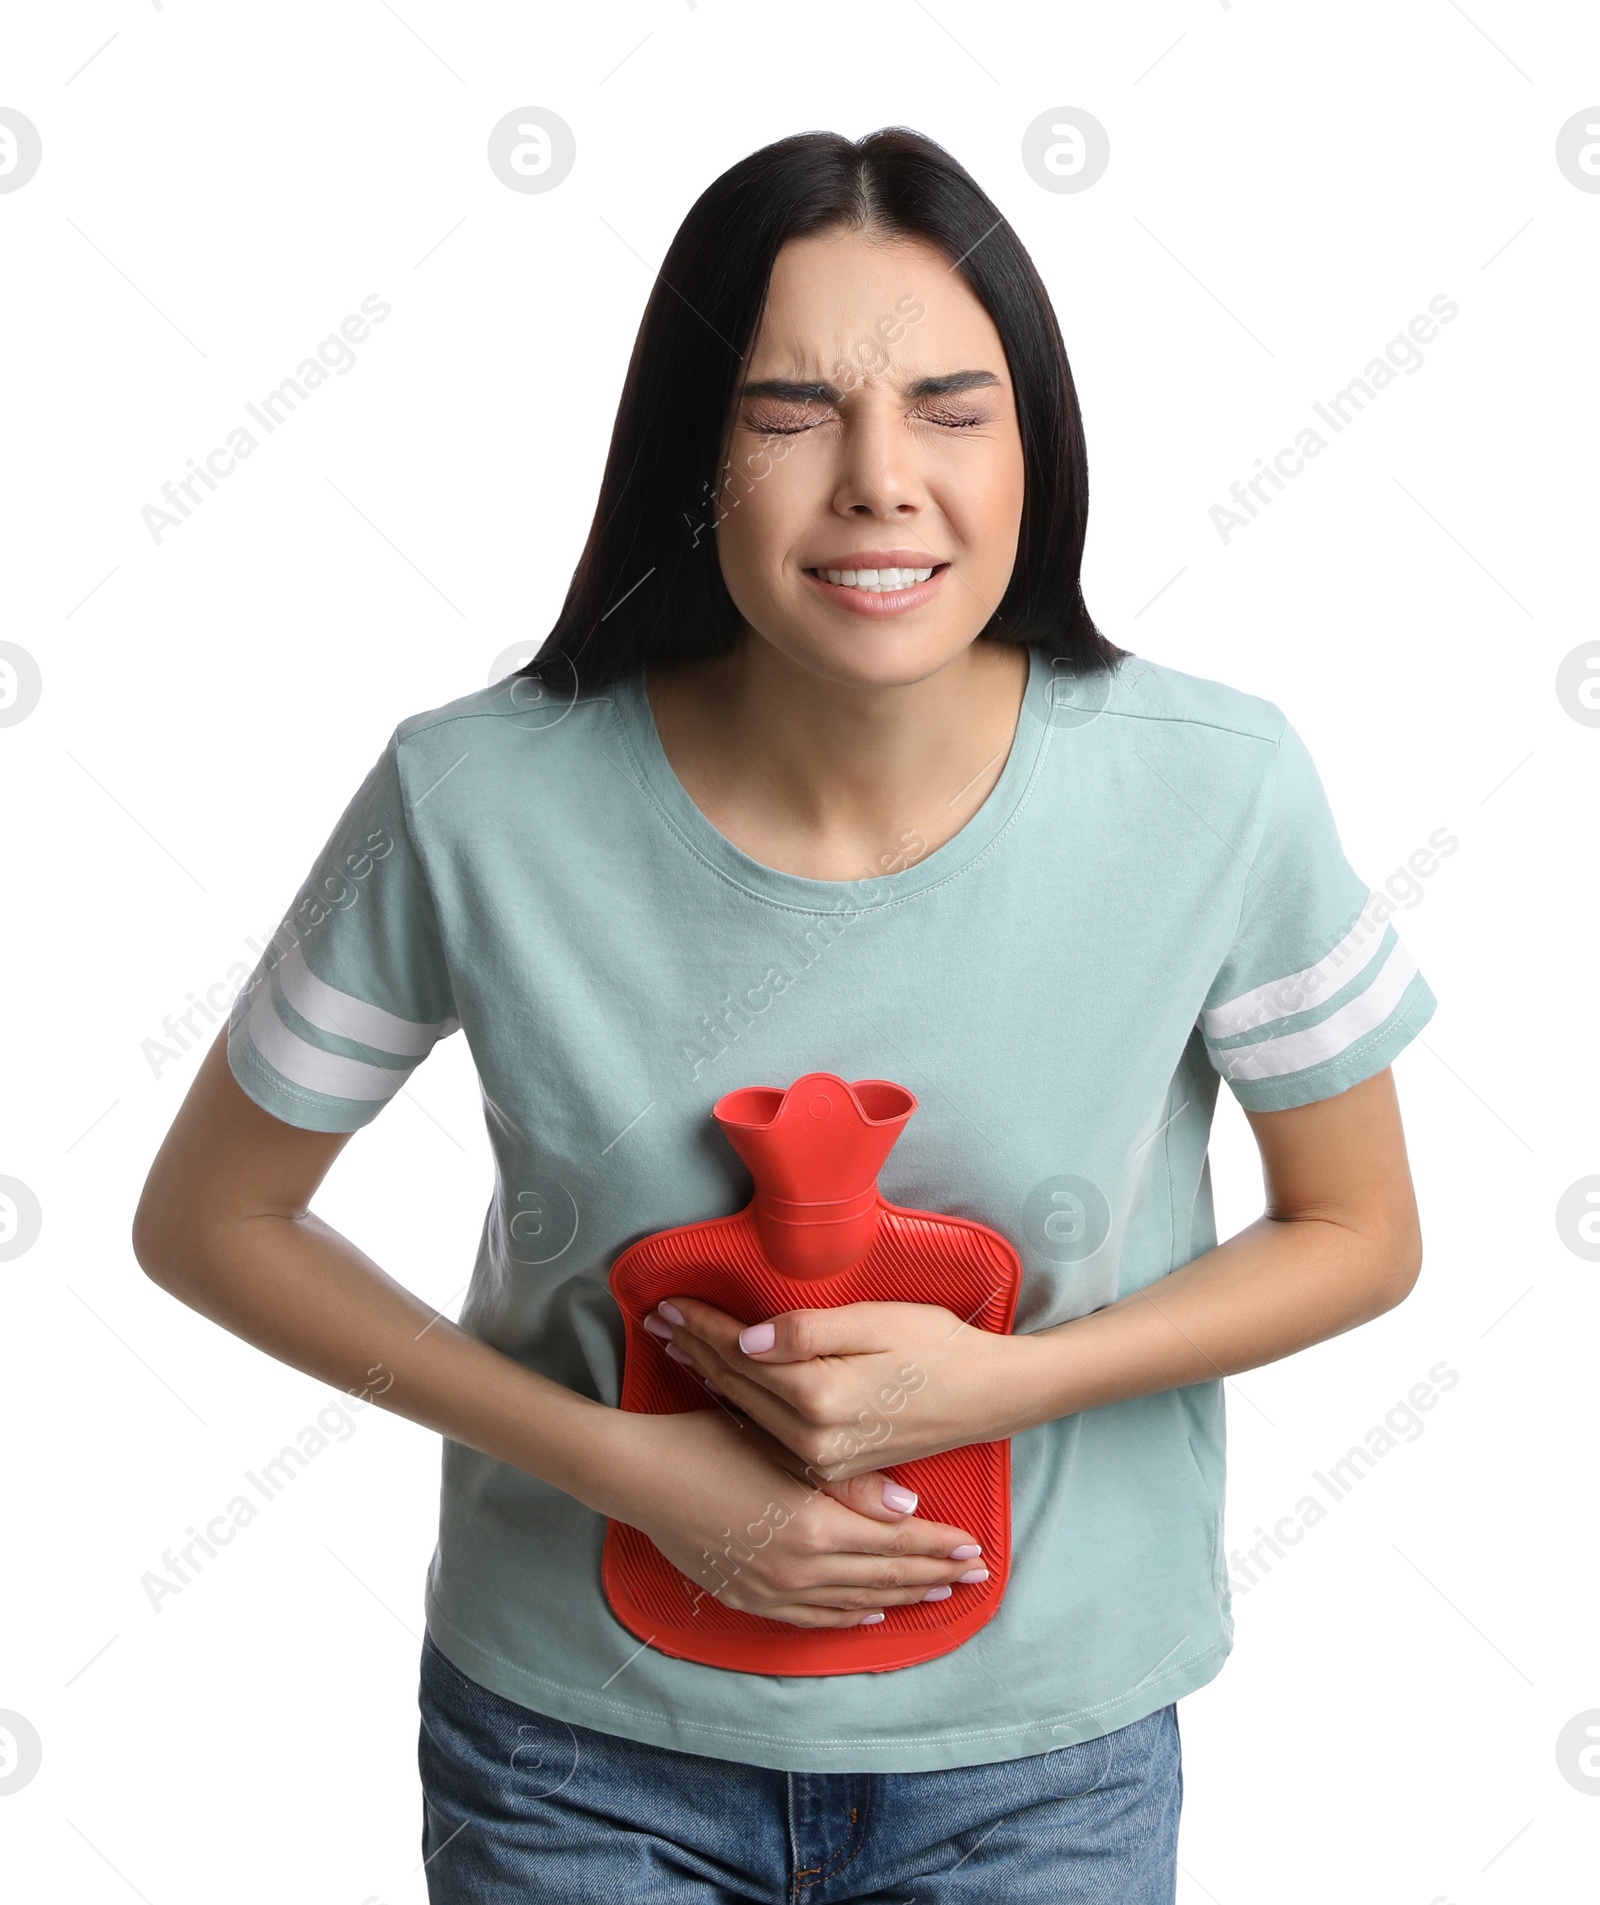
(985, 502)
(763, 514)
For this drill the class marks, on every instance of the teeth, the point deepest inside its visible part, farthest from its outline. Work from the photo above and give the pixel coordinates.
(877, 580)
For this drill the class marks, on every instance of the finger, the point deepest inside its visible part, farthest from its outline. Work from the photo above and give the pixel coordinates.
(871, 1596)
(876, 1495)
(837, 1529)
(910, 1535)
(699, 1354)
(799, 1336)
(871, 1521)
(789, 1400)
(702, 1362)
(795, 1336)
(884, 1580)
(847, 1607)
(798, 1615)
(782, 1422)
(688, 1314)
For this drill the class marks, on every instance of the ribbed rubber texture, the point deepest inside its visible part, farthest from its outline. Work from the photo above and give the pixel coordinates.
(918, 1258)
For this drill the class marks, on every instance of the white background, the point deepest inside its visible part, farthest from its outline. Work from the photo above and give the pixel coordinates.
(1287, 188)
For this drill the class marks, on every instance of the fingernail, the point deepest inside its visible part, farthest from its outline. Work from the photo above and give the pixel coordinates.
(974, 1574)
(759, 1336)
(968, 1551)
(671, 1312)
(901, 1500)
(713, 1387)
(937, 1594)
(866, 1620)
(679, 1355)
(656, 1327)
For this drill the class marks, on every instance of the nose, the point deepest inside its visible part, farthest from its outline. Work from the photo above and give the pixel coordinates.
(879, 472)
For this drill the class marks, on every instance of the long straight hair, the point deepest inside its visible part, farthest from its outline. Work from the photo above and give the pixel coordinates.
(648, 587)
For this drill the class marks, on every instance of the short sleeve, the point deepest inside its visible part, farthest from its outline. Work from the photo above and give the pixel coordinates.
(1316, 992)
(353, 991)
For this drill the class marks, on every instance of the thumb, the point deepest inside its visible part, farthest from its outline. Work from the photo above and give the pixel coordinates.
(867, 1495)
(798, 1336)
(877, 1495)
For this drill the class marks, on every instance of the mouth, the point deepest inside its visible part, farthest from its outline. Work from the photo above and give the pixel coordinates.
(890, 589)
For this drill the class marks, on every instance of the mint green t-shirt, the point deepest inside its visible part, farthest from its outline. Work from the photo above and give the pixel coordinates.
(1153, 896)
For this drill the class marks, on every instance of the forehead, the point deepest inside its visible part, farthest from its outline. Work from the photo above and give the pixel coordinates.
(834, 296)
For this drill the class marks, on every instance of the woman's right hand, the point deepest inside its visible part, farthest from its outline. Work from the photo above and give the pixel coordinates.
(735, 1511)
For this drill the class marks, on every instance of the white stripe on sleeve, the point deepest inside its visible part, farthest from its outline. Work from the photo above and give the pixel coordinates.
(1300, 991)
(309, 1066)
(330, 1010)
(1298, 1051)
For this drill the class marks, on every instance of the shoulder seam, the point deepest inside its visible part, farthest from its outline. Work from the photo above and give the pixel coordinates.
(1179, 685)
(1194, 721)
(443, 720)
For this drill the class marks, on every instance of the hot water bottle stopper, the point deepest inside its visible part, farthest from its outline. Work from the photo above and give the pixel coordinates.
(816, 1233)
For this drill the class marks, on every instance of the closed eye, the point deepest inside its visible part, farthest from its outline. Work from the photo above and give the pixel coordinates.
(780, 429)
(946, 420)
(956, 419)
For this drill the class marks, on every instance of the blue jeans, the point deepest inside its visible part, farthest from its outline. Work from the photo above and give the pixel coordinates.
(519, 1807)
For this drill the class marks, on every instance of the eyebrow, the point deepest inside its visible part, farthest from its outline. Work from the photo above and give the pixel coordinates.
(946, 386)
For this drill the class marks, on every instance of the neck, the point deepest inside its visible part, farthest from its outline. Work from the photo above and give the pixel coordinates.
(838, 780)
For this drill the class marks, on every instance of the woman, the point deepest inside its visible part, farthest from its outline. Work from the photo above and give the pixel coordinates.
(825, 767)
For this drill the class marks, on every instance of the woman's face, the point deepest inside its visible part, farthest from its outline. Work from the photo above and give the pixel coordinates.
(877, 433)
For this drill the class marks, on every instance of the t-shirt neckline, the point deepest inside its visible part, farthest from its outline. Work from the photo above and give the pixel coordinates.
(795, 890)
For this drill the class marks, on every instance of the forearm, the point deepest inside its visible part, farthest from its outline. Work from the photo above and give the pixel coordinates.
(1339, 1244)
(1277, 1287)
(298, 1290)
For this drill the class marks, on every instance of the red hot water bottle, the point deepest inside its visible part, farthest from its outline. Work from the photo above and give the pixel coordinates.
(818, 1232)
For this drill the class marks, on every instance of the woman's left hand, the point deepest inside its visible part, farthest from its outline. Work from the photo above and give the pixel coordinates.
(854, 1387)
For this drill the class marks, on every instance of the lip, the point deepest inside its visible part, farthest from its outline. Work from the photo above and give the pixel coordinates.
(881, 559)
(880, 601)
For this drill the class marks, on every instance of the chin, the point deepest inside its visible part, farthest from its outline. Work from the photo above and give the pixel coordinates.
(873, 657)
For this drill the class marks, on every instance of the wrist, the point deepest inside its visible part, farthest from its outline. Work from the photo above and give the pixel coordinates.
(1041, 1384)
(551, 1432)
(602, 1461)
